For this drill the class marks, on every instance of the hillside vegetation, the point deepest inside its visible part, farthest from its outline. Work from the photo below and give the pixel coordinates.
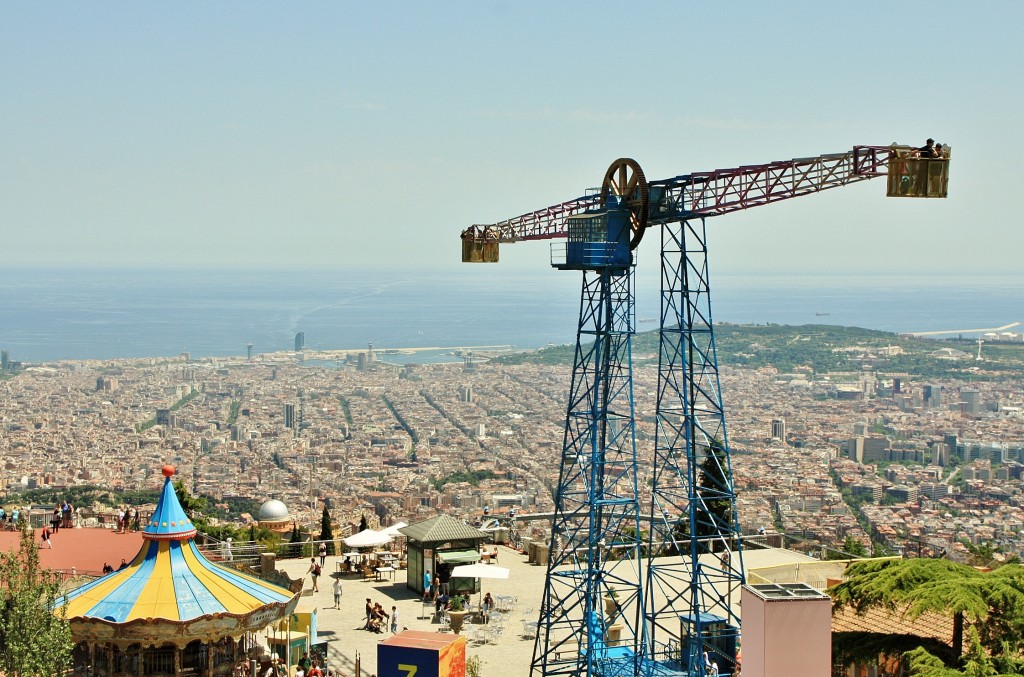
(823, 348)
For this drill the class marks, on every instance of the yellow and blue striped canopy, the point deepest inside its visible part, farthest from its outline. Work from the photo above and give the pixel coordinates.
(171, 580)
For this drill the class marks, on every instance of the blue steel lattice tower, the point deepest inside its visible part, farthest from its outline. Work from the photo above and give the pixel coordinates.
(695, 568)
(592, 588)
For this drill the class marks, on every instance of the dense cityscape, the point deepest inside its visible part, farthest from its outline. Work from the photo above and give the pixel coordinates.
(859, 460)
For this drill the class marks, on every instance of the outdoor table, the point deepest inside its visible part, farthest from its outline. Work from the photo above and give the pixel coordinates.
(390, 571)
(504, 602)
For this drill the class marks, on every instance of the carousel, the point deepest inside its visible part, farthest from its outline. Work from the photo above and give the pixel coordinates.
(170, 611)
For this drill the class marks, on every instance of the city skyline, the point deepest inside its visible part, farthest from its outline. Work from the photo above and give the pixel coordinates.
(344, 135)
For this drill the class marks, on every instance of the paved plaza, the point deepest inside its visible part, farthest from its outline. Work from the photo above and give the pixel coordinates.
(508, 654)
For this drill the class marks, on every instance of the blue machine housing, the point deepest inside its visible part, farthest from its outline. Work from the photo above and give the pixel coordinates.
(597, 240)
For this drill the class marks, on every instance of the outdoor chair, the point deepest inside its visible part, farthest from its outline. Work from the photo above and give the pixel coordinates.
(496, 632)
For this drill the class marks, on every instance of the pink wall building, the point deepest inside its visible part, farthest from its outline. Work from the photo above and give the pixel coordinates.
(787, 631)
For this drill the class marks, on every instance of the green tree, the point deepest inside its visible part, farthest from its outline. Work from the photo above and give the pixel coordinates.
(976, 662)
(325, 530)
(990, 603)
(981, 555)
(852, 546)
(295, 543)
(192, 505)
(363, 525)
(714, 486)
(711, 513)
(34, 639)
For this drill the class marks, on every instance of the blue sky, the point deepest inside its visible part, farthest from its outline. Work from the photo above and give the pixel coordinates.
(370, 134)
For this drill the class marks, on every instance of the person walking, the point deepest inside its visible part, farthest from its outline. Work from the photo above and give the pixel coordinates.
(314, 571)
(337, 592)
(394, 620)
(323, 553)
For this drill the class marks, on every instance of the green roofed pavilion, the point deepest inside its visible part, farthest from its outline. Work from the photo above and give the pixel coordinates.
(438, 544)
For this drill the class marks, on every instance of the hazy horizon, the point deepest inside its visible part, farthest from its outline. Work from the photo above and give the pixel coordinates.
(109, 313)
(330, 135)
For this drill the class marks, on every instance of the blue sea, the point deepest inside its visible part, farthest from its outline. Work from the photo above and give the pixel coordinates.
(59, 314)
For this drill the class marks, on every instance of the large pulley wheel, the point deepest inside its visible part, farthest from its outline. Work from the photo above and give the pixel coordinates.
(625, 182)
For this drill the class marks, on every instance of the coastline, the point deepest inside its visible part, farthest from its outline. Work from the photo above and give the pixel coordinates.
(83, 315)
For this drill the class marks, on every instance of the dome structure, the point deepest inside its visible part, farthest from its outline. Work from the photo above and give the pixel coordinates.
(273, 511)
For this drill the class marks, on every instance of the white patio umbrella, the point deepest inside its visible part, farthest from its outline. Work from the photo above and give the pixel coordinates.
(368, 538)
(392, 531)
(479, 571)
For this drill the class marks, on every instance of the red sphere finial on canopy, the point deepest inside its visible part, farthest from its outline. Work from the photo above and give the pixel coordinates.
(168, 470)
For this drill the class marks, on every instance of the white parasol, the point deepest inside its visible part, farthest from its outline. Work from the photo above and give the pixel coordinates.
(479, 571)
(367, 538)
(393, 530)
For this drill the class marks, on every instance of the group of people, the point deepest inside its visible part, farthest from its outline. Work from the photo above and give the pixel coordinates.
(127, 518)
(445, 601)
(107, 569)
(931, 150)
(63, 516)
(308, 667)
(377, 618)
(315, 571)
(434, 585)
(9, 520)
(305, 667)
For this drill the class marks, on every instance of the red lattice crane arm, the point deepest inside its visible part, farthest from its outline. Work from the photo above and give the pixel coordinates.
(722, 191)
(543, 224)
(706, 193)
